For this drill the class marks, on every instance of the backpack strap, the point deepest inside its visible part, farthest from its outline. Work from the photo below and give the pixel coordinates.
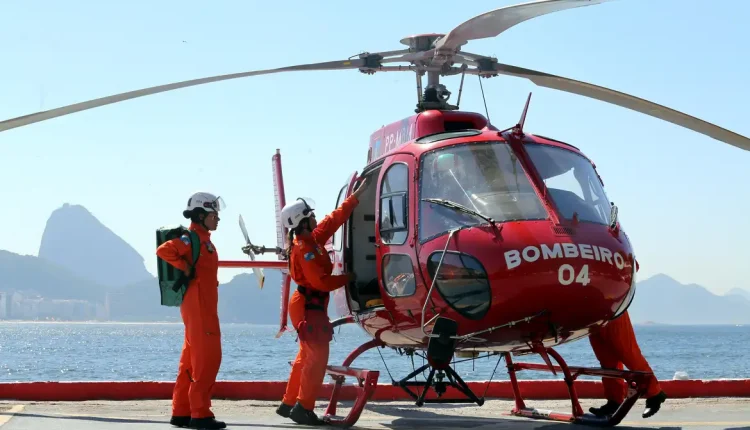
(195, 244)
(195, 241)
(195, 247)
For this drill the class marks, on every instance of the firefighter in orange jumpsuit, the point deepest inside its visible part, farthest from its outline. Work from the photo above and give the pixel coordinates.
(310, 267)
(201, 351)
(615, 345)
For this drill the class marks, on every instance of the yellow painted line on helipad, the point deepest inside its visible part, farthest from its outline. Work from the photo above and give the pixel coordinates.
(7, 415)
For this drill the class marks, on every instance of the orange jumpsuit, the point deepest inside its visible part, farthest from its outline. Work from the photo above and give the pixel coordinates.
(201, 351)
(311, 267)
(615, 345)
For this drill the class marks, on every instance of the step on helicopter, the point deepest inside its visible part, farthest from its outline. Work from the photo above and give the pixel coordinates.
(463, 243)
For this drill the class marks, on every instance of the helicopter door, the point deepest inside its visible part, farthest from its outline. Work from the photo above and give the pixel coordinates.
(340, 253)
(397, 263)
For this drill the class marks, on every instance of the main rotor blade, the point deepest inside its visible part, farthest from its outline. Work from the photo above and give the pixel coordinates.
(65, 110)
(493, 23)
(627, 101)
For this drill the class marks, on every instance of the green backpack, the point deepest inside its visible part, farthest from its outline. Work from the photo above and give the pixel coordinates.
(173, 282)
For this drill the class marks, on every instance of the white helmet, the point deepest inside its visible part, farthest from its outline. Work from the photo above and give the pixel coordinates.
(294, 213)
(206, 201)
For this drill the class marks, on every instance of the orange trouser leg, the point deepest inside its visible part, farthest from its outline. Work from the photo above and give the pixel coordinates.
(297, 315)
(205, 360)
(614, 389)
(313, 372)
(626, 347)
(180, 399)
(292, 387)
(309, 368)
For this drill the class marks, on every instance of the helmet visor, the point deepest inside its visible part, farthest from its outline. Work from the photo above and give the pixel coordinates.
(215, 205)
(309, 205)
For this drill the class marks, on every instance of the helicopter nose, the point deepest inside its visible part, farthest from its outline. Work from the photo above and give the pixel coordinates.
(577, 283)
(557, 285)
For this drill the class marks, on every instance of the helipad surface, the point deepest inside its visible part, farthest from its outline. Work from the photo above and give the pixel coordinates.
(720, 413)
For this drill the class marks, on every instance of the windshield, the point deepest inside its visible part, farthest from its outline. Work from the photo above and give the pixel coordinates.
(572, 183)
(485, 178)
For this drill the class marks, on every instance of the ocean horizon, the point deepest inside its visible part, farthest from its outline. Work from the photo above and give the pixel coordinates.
(149, 351)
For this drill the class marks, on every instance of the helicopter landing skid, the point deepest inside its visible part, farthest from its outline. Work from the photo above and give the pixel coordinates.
(636, 384)
(368, 380)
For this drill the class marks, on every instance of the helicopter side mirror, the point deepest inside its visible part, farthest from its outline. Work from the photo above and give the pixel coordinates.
(613, 216)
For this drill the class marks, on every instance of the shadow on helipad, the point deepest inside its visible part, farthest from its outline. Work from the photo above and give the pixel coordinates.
(68, 421)
(409, 418)
(102, 419)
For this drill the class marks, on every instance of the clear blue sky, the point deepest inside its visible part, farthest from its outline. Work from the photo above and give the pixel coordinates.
(683, 197)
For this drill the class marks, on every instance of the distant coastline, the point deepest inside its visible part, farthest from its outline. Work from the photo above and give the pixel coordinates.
(60, 285)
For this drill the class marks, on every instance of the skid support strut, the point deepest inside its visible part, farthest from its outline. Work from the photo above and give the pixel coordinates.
(636, 384)
(368, 380)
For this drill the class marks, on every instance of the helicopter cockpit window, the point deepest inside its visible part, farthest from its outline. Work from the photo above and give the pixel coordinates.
(394, 204)
(572, 183)
(485, 178)
(462, 282)
(398, 275)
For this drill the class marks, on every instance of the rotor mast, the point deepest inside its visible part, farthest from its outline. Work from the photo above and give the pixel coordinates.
(435, 95)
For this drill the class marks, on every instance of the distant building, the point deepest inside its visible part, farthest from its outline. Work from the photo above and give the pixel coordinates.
(14, 308)
(102, 310)
(4, 306)
(30, 306)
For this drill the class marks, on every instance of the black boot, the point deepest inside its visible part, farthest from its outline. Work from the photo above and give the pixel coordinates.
(209, 423)
(653, 404)
(178, 421)
(284, 410)
(303, 416)
(608, 409)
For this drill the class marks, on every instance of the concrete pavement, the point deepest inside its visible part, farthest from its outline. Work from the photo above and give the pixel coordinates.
(721, 413)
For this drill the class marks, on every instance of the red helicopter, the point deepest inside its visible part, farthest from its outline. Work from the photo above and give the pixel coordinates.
(471, 239)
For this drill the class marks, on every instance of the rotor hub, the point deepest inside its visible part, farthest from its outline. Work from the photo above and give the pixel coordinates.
(421, 42)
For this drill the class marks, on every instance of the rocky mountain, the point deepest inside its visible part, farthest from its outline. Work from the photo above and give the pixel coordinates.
(240, 300)
(739, 292)
(661, 299)
(76, 240)
(72, 265)
(35, 276)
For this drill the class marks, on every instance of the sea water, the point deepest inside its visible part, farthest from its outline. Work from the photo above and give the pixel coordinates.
(57, 351)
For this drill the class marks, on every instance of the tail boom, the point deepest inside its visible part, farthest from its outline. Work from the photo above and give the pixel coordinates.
(280, 265)
(281, 234)
(280, 200)
(285, 286)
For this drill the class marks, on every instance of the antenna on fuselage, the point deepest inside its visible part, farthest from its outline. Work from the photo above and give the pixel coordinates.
(518, 129)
